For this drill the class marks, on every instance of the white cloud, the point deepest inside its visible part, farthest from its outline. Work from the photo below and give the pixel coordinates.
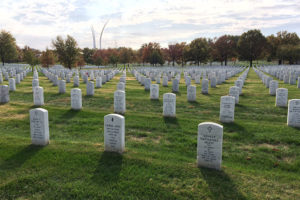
(36, 22)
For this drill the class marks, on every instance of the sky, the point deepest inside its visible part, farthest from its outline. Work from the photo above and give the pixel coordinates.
(133, 22)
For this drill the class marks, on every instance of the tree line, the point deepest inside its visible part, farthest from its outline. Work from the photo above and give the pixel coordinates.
(284, 47)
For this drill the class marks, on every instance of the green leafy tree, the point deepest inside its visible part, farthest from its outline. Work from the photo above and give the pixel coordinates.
(31, 57)
(88, 55)
(8, 47)
(67, 51)
(251, 45)
(199, 50)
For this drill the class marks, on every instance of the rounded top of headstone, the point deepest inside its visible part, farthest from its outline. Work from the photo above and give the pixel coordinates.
(119, 91)
(282, 89)
(210, 124)
(294, 101)
(227, 98)
(114, 116)
(39, 110)
(169, 95)
(76, 89)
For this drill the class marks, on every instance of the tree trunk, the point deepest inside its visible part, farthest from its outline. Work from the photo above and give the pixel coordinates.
(3, 61)
(173, 63)
(225, 61)
(250, 62)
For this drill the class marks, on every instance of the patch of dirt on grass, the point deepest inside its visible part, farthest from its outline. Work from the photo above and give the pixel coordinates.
(8, 112)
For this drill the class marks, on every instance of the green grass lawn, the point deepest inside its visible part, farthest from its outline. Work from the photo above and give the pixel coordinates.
(261, 154)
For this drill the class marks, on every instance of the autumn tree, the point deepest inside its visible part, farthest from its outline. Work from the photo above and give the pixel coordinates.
(199, 50)
(47, 58)
(224, 48)
(251, 45)
(8, 50)
(80, 62)
(66, 50)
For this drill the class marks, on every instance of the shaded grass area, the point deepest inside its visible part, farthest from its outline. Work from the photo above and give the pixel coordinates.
(261, 157)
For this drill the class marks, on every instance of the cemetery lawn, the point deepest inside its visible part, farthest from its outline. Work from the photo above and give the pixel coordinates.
(261, 154)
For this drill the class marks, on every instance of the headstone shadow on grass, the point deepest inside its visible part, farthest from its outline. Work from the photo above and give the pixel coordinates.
(18, 159)
(108, 169)
(221, 185)
(70, 114)
(171, 121)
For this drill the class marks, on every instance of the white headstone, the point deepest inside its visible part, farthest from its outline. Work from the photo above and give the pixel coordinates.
(169, 105)
(154, 91)
(98, 82)
(119, 102)
(62, 86)
(4, 94)
(38, 96)
(227, 106)
(204, 89)
(191, 93)
(147, 83)
(12, 84)
(293, 118)
(281, 97)
(39, 126)
(209, 145)
(273, 85)
(165, 81)
(90, 88)
(234, 91)
(175, 85)
(114, 133)
(121, 86)
(76, 81)
(76, 99)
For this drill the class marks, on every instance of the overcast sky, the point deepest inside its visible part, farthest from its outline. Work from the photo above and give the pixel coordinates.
(37, 22)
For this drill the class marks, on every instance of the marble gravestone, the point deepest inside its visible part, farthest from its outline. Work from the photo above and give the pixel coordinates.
(191, 93)
(154, 91)
(209, 145)
(4, 94)
(18, 79)
(98, 82)
(234, 91)
(114, 133)
(293, 118)
(158, 79)
(76, 81)
(227, 106)
(213, 82)
(39, 126)
(239, 84)
(90, 88)
(273, 85)
(55, 80)
(175, 85)
(147, 84)
(35, 83)
(62, 86)
(165, 81)
(76, 99)
(298, 83)
(281, 97)
(204, 89)
(1, 78)
(119, 102)
(188, 81)
(121, 86)
(38, 96)
(12, 84)
(169, 105)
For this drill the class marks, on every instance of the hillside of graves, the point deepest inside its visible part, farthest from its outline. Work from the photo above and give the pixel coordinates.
(161, 153)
